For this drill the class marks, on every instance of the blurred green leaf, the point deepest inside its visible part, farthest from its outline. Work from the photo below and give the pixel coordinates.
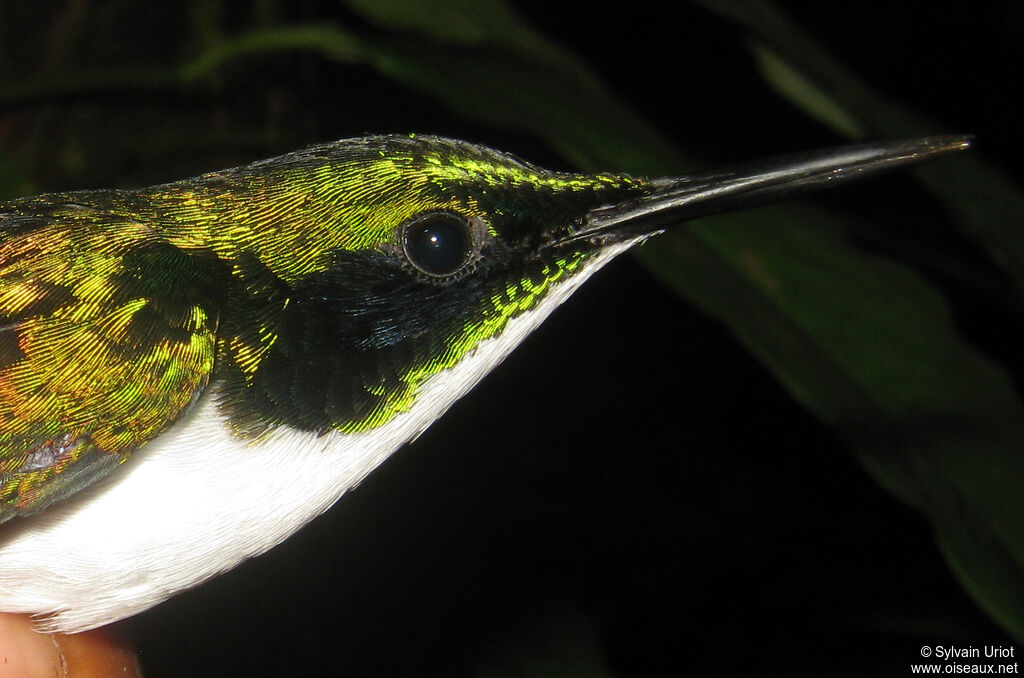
(529, 85)
(329, 42)
(869, 347)
(953, 418)
(804, 93)
(988, 206)
(491, 21)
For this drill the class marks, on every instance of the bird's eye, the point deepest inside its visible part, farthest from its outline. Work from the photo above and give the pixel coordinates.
(438, 244)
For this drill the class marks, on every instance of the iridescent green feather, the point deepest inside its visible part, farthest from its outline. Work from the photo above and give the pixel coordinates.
(92, 362)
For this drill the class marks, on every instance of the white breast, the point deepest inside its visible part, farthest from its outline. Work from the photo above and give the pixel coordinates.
(197, 501)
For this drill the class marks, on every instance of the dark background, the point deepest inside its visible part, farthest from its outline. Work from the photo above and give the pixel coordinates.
(630, 494)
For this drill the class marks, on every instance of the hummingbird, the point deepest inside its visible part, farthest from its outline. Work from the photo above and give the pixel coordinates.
(191, 372)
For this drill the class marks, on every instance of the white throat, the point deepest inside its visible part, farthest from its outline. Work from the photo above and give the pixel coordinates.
(197, 501)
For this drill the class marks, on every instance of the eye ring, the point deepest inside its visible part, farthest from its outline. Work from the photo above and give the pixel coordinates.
(438, 244)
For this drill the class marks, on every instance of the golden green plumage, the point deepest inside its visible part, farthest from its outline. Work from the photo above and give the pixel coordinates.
(78, 360)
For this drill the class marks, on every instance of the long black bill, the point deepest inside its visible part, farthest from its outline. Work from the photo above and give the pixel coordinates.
(675, 200)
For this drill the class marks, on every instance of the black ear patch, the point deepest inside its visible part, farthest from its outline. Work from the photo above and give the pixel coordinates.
(348, 336)
(367, 300)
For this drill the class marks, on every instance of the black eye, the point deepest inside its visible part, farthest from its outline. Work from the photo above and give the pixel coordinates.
(438, 244)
